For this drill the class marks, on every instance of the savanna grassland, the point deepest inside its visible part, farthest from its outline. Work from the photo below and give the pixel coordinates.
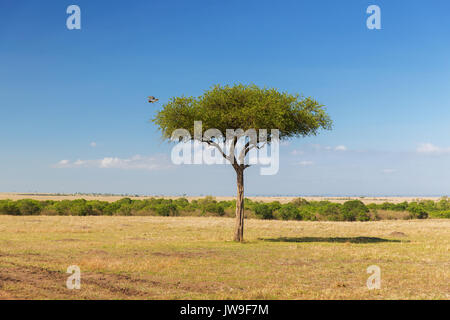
(152, 257)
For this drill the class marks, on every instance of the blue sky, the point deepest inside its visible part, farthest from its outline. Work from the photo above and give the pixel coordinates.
(81, 94)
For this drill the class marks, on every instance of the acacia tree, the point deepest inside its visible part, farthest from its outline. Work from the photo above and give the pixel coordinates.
(242, 108)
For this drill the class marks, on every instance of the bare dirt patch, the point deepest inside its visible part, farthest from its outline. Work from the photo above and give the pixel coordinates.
(53, 283)
(397, 234)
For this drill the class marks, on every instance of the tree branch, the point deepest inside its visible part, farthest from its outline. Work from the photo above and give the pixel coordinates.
(232, 155)
(212, 143)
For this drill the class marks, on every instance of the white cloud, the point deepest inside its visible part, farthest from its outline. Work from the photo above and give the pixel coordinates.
(318, 148)
(63, 163)
(78, 163)
(341, 148)
(297, 152)
(429, 148)
(388, 171)
(135, 162)
(93, 144)
(306, 163)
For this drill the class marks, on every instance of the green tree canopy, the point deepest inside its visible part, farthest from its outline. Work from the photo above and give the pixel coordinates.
(244, 107)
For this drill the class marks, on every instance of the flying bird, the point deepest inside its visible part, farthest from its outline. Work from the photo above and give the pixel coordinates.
(152, 99)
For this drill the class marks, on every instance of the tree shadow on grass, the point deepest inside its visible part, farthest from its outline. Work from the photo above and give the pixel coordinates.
(330, 239)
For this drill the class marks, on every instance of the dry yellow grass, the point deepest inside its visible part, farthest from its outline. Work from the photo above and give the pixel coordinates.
(192, 258)
(366, 200)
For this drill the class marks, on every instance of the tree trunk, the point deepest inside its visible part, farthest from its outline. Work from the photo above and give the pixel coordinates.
(239, 228)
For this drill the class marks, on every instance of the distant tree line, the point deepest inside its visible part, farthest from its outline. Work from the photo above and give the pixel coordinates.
(298, 209)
